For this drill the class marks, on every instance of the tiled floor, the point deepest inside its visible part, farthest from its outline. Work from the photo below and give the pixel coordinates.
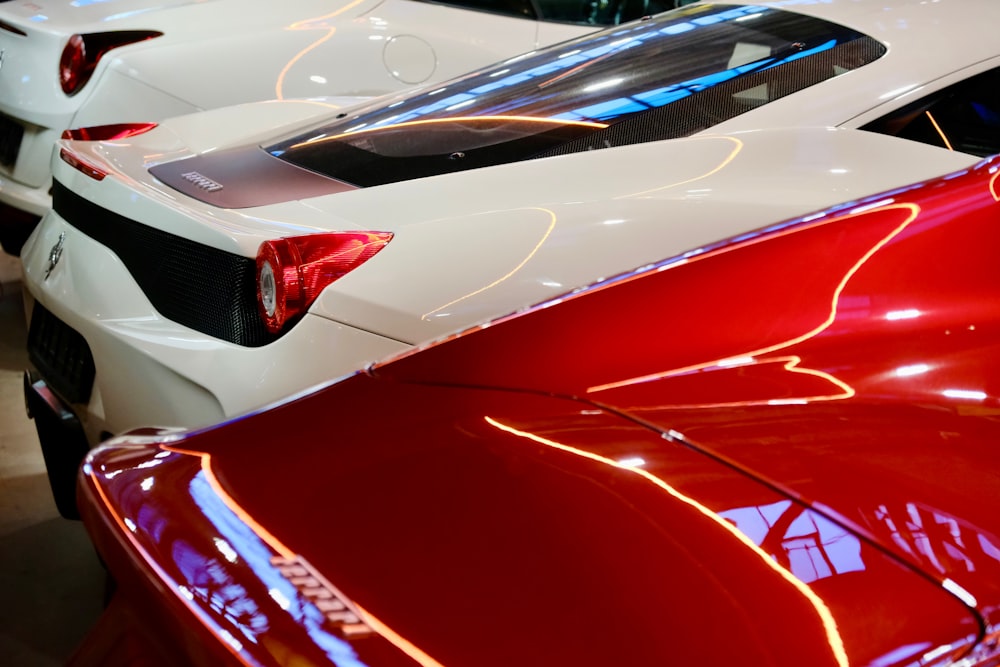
(51, 584)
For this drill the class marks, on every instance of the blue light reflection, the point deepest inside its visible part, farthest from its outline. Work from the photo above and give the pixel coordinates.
(209, 579)
(810, 545)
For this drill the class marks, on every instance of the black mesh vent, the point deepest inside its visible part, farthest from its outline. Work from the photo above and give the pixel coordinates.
(724, 101)
(206, 289)
(61, 355)
(11, 134)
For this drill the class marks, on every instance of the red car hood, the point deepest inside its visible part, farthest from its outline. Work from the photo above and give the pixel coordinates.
(850, 360)
(454, 526)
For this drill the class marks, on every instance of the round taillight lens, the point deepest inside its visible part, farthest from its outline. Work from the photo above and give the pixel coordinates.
(82, 52)
(291, 272)
(268, 295)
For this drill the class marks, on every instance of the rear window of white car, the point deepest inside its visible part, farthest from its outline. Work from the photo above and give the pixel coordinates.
(589, 12)
(668, 76)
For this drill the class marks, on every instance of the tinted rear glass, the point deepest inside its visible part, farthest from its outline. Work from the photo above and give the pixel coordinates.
(589, 12)
(675, 74)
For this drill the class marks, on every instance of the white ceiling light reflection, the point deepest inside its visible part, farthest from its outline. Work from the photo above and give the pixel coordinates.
(913, 369)
(966, 597)
(460, 105)
(225, 549)
(969, 394)
(280, 598)
(899, 91)
(610, 83)
(632, 462)
(230, 639)
(907, 314)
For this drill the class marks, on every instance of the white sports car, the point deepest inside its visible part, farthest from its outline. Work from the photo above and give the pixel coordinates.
(76, 63)
(220, 261)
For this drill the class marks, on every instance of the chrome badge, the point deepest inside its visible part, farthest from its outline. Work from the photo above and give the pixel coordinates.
(55, 254)
(203, 182)
(337, 609)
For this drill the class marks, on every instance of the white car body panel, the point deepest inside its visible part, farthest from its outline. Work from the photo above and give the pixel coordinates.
(477, 244)
(217, 53)
(521, 240)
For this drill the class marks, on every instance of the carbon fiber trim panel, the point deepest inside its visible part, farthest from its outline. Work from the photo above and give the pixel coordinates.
(203, 288)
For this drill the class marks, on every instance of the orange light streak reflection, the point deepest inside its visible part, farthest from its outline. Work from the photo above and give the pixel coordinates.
(532, 253)
(304, 25)
(824, 613)
(790, 363)
(914, 211)
(940, 132)
(737, 147)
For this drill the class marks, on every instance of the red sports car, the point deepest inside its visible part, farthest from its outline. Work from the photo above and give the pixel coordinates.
(781, 450)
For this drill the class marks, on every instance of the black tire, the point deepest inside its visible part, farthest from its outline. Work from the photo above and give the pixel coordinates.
(14, 233)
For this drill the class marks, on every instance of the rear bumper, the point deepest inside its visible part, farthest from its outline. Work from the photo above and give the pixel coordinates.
(31, 200)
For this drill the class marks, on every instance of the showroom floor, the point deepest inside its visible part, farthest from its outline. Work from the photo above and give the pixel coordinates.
(51, 584)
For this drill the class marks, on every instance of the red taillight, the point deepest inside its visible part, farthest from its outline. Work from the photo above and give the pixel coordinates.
(107, 132)
(291, 272)
(75, 161)
(80, 56)
(98, 133)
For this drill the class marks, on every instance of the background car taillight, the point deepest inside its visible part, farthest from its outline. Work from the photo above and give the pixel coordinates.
(80, 56)
(81, 165)
(291, 272)
(98, 133)
(107, 132)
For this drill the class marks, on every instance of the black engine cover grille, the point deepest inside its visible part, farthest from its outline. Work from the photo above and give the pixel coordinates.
(204, 288)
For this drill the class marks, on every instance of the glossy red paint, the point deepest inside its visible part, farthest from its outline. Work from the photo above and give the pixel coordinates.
(719, 461)
(479, 518)
(850, 360)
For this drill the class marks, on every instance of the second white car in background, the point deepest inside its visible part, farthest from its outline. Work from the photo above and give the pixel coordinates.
(72, 63)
